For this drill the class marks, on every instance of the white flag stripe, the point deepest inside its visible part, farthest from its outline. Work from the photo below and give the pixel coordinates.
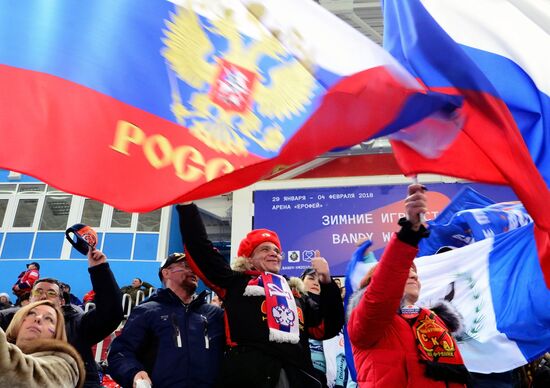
(479, 355)
(310, 32)
(513, 35)
(467, 269)
(318, 29)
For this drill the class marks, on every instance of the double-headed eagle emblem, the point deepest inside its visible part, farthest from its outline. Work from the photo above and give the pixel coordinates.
(229, 89)
(283, 315)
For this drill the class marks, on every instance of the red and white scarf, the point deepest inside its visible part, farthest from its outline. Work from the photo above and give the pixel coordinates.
(281, 311)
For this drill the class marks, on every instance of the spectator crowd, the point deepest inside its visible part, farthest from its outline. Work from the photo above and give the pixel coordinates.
(258, 327)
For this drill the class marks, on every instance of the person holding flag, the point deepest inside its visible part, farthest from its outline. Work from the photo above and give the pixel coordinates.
(396, 343)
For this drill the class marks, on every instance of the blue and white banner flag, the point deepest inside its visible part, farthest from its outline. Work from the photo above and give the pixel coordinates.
(493, 277)
(498, 287)
(471, 217)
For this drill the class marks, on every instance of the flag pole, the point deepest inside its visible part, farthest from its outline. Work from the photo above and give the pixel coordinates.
(421, 215)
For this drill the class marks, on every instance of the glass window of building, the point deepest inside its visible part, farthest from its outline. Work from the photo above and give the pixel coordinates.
(8, 189)
(24, 215)
(53, 190)
(92, 212)
(3, 207)
(31, 188)
(55, 212)
(121, 219)
(149, 222)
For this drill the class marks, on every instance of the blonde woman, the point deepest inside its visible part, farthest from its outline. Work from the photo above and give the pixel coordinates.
(34, 351)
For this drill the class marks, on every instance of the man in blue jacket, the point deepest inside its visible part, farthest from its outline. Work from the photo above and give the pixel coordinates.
(174, 338)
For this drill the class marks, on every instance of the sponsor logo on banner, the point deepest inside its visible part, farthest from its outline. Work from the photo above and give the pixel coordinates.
(308, 255)
(293, 256)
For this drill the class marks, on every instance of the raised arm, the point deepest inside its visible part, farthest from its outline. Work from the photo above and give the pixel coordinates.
(326, 317)
(98, 323)
(205, 260)
(379, 304)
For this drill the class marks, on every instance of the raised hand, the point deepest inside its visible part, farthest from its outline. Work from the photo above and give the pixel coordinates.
(416, 204)
(95, 257)
(321, 266)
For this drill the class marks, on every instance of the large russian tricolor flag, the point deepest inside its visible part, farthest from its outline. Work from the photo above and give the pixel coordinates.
(142, 103)
(495, 54)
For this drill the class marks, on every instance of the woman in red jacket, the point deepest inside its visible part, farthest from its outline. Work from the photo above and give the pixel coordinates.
(394, 342)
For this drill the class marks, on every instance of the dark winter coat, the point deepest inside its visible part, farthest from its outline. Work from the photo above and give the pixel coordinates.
(250, 351)
(149, 342)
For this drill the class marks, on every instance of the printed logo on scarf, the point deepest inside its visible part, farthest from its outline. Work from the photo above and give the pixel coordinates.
(299, 309)
(434, 339)
(283, 315)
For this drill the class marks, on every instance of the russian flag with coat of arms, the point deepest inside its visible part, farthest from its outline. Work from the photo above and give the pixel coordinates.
(141, 104)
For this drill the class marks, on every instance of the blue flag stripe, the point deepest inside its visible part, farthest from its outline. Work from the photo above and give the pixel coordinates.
(520, 298)
(111, 47)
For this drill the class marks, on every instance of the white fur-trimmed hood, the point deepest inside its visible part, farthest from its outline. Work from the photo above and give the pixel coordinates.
(241, 264)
